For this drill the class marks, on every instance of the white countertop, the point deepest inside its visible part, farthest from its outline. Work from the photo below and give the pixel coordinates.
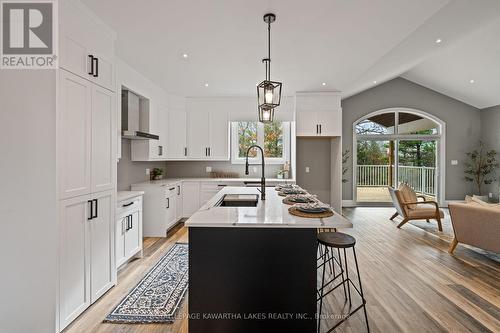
(169, 181)
(271, 213)
(124, 195)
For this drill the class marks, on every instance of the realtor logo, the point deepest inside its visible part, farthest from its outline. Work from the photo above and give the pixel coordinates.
(28, 35)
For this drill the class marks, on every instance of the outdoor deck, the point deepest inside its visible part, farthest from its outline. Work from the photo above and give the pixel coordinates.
(377, 194)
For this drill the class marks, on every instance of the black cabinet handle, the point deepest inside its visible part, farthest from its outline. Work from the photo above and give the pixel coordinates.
(129, 204)
(185, 151)
(319, 129)
(129, 222)
(160, 150)
(91, 64)
(209, 151)
(178, 190)
(168, 203)
(126, 223)
(96, 73)
(91, 205)
(96, 208)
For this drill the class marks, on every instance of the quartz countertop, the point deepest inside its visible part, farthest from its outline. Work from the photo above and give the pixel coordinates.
(271, 213)
(124, 195)
(169, 181)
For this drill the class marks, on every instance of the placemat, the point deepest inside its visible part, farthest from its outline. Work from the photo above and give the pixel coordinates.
(287, 201)
(294, 211)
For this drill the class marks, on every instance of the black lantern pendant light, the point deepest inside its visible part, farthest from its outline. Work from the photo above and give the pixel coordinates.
(268, 92)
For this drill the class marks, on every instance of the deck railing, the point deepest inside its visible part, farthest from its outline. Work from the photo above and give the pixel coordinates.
(421, 179)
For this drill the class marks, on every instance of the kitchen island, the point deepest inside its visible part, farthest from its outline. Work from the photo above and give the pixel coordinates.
(253, 269)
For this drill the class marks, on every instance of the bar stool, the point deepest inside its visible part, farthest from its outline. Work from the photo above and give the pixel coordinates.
(338, 240)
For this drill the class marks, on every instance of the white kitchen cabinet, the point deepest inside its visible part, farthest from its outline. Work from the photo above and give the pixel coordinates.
(318, 114)
(128, 230)
(160, 211)
(86, 247)
(102, 252)
(74, 263)
(156, 118)
(179, 202)
(218, 136)
(86, 45)
(190, 198)
(208, 135)
(74, 135)
(198, 134)
(177, 128)
(85, 138)
(103, 136)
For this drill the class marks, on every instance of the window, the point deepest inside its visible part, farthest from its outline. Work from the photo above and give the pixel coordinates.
(273, 137)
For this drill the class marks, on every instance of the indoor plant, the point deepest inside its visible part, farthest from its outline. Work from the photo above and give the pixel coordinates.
(480, 167)
(156, 174)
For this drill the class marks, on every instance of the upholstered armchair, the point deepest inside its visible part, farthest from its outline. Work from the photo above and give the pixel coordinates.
(408, 206)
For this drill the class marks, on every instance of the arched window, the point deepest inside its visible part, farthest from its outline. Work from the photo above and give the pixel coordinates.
(394, 146)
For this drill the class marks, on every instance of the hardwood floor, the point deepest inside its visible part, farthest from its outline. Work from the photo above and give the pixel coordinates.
(410, 281)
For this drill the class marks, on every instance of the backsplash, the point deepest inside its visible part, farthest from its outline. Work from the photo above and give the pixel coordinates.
(198, 169)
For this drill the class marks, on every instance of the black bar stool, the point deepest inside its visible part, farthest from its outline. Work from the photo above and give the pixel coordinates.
(338, 240)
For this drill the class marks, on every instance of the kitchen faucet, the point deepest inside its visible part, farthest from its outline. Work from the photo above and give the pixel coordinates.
(263, 178)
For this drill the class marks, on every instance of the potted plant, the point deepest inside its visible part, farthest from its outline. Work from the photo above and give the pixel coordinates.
(281, 173)
(480, 168)
(156, 174)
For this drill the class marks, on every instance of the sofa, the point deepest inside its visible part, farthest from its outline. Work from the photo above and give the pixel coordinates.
(475, 223)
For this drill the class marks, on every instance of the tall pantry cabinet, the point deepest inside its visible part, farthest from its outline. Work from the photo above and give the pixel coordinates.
(86, 161)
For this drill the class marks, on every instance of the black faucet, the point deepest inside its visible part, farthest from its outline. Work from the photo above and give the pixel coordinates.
(263, 178)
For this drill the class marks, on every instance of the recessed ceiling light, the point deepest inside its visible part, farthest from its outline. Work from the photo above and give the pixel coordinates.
(375, 82)
(439, 40)
(206, 84)
(472, 81)
(185, 55)
(323, 84)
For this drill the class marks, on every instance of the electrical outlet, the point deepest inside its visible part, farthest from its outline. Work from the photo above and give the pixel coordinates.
(254, 169)
(147, 172)
(307, 170)
(490, 195)
(454, 162)
(208, 169)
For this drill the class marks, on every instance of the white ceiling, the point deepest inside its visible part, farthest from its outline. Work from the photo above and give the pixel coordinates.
(475, 57)
(347, 44)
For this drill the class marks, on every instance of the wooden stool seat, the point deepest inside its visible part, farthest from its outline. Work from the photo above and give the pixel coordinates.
(336, 239)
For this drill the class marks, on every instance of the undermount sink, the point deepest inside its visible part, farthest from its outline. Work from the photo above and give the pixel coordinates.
(238, 200)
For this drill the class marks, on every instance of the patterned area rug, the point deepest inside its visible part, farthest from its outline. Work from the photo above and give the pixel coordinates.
(157, 297)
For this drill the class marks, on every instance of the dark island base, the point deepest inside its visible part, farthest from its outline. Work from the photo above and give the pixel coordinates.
(252, 280)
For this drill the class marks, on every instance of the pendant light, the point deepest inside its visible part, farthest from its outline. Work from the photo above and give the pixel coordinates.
(268, 92)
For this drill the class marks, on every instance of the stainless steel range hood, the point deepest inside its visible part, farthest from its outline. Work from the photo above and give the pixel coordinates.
(131, 118)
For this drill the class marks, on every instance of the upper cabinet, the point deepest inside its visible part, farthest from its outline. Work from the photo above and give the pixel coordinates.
(86, 45)
(318, 114)
(176, 143)
(208, 135)
(86, 141)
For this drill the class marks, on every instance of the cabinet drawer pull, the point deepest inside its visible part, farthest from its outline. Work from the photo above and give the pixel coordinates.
(129, 204)
(185, 151)
(168, 203)
(172, 188)
(91, 206)
(91, 64)
(96, 73)
(178, 190)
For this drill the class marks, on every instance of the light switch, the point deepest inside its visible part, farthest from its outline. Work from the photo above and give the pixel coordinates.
(208, 169)
(307, 169)
(454, 162)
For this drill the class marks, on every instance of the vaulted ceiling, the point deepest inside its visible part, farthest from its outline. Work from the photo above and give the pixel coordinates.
(348, 45)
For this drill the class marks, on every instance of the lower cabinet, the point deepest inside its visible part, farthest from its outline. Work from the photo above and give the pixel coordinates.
(190, 198)
(128, 230)
(86, 247)
(160, 207)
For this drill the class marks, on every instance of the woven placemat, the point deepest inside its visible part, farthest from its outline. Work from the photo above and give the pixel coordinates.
(294, 211)
(286, 194)
(287, 201)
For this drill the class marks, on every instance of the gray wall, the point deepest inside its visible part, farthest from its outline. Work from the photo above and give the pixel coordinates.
(198, 169)
(463, 124)
(28, 241)
(133, 172)
(314, 153)
(490, 128)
